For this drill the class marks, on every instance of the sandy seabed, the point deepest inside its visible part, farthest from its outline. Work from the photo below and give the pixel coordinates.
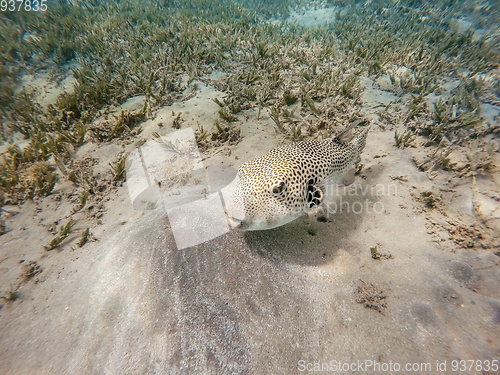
(395, 281)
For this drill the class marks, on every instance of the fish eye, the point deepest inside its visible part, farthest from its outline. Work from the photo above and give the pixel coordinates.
(277, 189)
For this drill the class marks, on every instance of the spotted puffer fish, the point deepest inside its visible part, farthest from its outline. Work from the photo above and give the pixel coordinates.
(288, 181)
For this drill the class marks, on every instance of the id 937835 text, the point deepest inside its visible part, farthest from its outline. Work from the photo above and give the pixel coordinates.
(23, 5)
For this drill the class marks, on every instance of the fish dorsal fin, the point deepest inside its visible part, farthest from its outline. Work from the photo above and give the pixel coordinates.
(359, 140)
(347, 135)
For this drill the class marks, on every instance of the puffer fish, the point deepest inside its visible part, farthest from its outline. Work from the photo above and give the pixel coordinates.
(288, 181)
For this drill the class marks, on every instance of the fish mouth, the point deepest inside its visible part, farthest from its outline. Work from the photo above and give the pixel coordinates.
(266, 223)
(233, 222)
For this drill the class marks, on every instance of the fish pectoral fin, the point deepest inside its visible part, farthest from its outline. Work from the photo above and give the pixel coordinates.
(314, 195)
